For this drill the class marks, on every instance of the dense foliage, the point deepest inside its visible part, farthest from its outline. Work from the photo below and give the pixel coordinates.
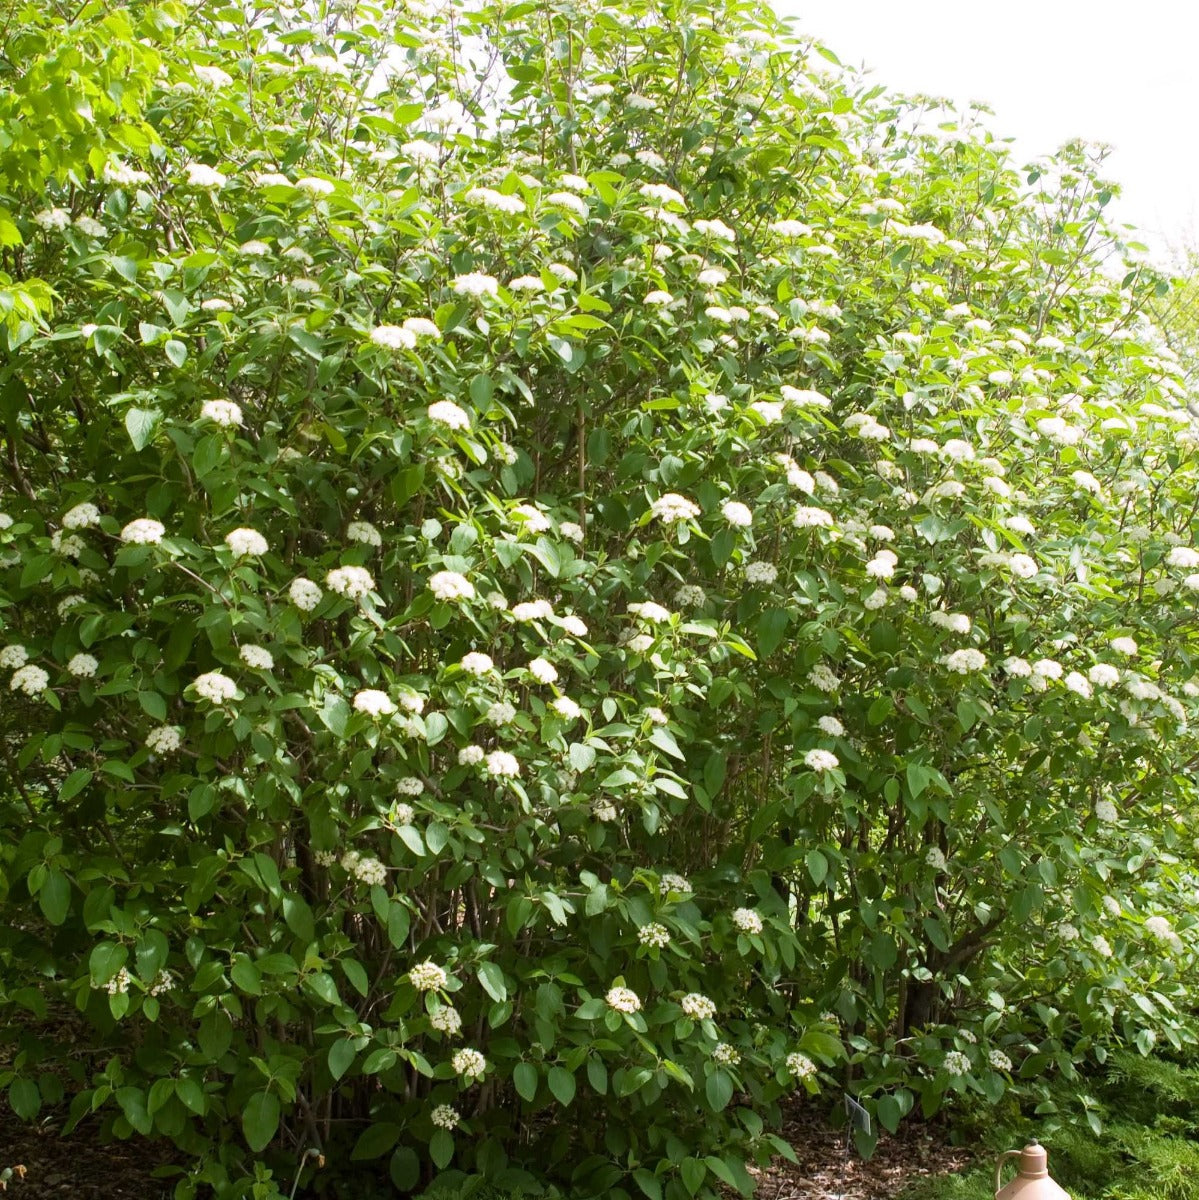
(568, 571)
(1150, 1144)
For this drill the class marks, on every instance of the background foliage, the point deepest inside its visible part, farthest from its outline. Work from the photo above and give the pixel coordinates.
(568, 571)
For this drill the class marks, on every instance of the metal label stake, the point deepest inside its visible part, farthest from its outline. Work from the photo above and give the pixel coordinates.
(856, 1118)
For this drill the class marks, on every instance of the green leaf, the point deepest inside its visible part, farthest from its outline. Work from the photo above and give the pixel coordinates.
(582, 757)
(648, 1183)
(341, 1055)
(192, 1095)
(491, 976)
(74, 783)
(323, 986)
(772, 626)
(918, 779)
(375, 1141)
(54, 897)
(404, 1169)
(694, 1173)
(25, 1098)
(524, 1079)
(140, 424)
(441, 1148)
(817, 866)
(597, 1075)
(245, 974)
(719, 1090)
(308, 342)
(665, 741)
(176, 351)
(334, 713)
(562, 1085)
(260, 1120)
(298, 917)
(888, 1112)
(714, 769)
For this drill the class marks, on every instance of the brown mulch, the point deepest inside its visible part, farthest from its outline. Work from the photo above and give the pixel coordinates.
(84, 1168)
(825, 1173)
(79, 1166)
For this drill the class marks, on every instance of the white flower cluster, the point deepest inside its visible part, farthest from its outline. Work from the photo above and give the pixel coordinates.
(447, 1020)
(118, 985)
(697, 1006)
(1159, 927)
(532, 610)
(304, 594)
(30, 679)
(82, 516)
(823, 679)
(543, 670)
(956, 1063)
(502, 764)
(963, 662)
(800, 1065)
(469, 1064)
(164, 982)
(623, 1000)
(351, 582)
(670, 882)
(364, 532)
(373, 703)
(476, 284)
(427, 977)
(83, 666)
(165, 739)
(882, 565)
(761, 574)
(531, 518)
(566, 708)
(671, 508)
(256, 657)
(821, 760)
(143, 532)
(953, 622)
(224, 413)
(726, 1055)
(215, 687)
(808, 517)
(654, 935)
(445, 1117)
(485, 197)
(13, 656)
(747, 921)
(366, 870)
(450, 585)
(246, 543)
(66, 544)
(449, 414)
(737, 514)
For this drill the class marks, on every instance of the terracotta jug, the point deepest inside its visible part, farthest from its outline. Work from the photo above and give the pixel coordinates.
(1032, 1181)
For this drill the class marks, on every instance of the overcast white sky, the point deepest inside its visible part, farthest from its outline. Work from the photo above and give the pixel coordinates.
(1113, 71)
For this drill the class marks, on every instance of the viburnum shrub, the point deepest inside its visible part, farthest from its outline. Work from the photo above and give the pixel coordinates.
(569, 571)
